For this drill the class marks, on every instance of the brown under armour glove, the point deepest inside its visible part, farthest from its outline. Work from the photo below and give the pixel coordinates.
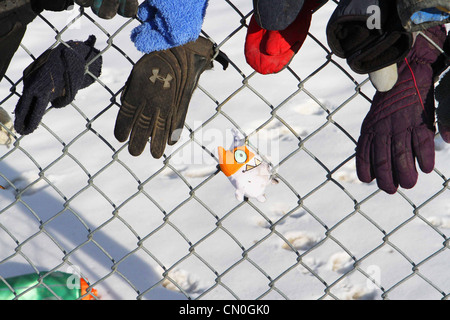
(157, 94)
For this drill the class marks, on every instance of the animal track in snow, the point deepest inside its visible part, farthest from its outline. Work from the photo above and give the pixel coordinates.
(279, 210)
(356, 292)
(340, 262)
(300, 240)
(312, 264)
(277, 129)
(440, 222)
(347, 173)
(183, 280)
(310, 108)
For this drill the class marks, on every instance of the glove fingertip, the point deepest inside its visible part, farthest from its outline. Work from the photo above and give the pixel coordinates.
(424, 149)
(120, 134)
(363, 167)
(134, 150)
(445, 132)
(388, 189)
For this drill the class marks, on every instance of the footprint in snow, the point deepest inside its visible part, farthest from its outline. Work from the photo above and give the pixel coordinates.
(279, 211)
(340, 262)
(356, 292)
(300, 240)
(179, 278)
(309, 108)
(312, 263)
(347, 173)
(440, 222)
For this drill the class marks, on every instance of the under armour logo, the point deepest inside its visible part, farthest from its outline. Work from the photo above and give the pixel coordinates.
(156, 76)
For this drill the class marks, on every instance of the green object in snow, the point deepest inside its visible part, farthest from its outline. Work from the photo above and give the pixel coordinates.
(45, 286)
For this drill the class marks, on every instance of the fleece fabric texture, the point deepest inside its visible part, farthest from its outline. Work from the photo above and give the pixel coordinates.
(270, 51)
(168, 24)
(55, 77)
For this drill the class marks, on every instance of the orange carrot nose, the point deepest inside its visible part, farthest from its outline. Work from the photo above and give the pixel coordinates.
(231, 161)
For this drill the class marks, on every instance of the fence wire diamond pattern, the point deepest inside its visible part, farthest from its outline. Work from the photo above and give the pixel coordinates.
(140, 228)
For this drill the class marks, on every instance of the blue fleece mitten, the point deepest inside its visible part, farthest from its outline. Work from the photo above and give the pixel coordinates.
(168, 23)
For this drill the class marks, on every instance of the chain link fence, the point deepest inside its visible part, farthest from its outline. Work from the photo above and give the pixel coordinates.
(140, 228)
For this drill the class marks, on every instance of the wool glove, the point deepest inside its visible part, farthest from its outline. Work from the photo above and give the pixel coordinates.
(399, 127)
(157, 94)
(352, 34)
(107, 9)
(55, 77)
(168, 24)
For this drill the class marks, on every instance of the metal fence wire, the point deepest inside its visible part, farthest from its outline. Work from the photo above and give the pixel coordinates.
(74, 200)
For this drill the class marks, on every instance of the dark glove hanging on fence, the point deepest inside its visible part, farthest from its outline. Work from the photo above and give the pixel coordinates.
(51, 5)
(157, 93)
(443, 110)
(399, 127)
(107, 9)
(353, 34)
(278, 15)
(15, 15)
(55, 77)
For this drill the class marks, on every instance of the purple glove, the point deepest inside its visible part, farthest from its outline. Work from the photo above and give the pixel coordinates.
(399, 127)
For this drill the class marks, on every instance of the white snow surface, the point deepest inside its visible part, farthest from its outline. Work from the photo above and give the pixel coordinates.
(119, 220)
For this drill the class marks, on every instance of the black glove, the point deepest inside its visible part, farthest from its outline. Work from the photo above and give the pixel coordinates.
(52, 5)
(15, 15)
(367, 49)
(156, 96)
(107, 9)
(56, 76)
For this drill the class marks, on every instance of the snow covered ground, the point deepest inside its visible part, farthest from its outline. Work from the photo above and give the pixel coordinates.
(73, 201)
